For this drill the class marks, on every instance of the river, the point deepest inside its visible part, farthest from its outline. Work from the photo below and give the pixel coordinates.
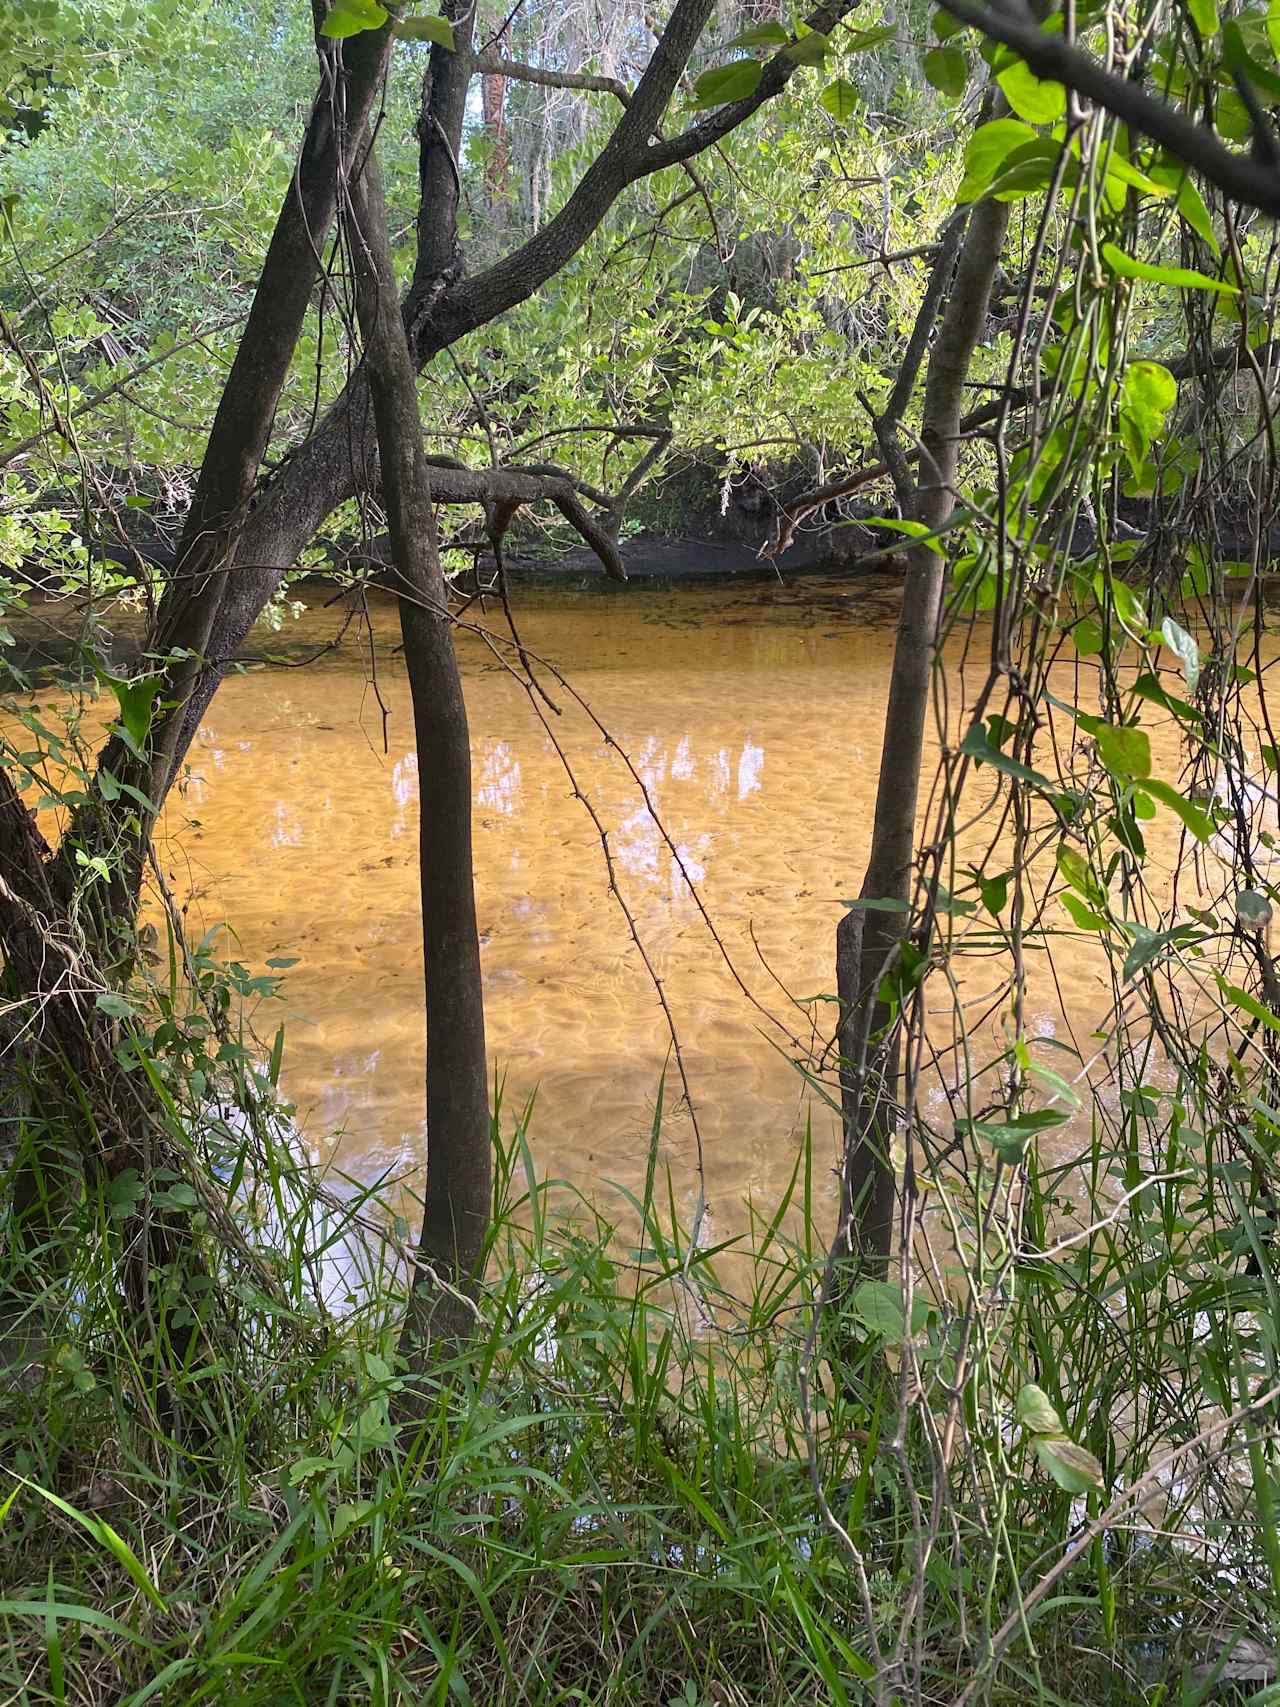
(751, 714)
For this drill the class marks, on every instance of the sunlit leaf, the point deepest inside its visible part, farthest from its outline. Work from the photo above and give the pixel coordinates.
(1182, 278)
(432, 29)
(1196, 820)
(989, 147)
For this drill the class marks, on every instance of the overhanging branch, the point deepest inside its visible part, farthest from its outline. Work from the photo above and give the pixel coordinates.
(1238, 176)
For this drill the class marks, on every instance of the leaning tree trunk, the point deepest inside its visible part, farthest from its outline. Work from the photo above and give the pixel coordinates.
(868, 940)
(459, 1194)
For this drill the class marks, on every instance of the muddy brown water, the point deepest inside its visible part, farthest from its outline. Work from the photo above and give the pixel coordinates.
(752, 714)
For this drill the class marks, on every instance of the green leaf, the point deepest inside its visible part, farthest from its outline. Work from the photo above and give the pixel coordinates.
(1204, 15)
(913, 530)
(429, 28)
(727, 83)
(1087, 635)
(1125, 751)
(977, 746)
(1149, 945)
(1084, 917)
(859, 41)
(1197, 821)
(1036, 99)
(1009, 1138)
(946, 25)
(1184, 278)
(771, 34)
(994, 892)
(811, 49)
(989, 147)
(947, 70)
(1239, 998)
(136, 697)
(1148, 686)
(1184, 648)
(1073, 1468)
(1238, 58)
(113, 1003)
(352, 18)
(1035, 1412)
(1191, 205)
(1273, 26)
(1074, 869)
(878, 1306)
(107, 1537)
(840, 99)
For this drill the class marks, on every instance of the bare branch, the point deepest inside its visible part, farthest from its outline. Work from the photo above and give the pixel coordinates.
(521, 73)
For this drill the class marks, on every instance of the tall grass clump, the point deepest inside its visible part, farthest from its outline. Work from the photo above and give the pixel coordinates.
(656, 1474)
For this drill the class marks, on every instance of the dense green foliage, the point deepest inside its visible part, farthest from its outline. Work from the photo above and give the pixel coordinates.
(1035, 1455)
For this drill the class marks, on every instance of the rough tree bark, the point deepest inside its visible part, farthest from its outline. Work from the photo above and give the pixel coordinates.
(440, 306)
(867, 940)
(459, 1161)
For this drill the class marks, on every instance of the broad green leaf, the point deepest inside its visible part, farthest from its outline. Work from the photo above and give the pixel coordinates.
(840, 99)
(1196, 820)
(878, 1306)
(1125, 751)
(1035, 1411)
(995, 892)
(727, 83)
(889, 904)
(432, 29)
(136, 697)
(1183, 278)
(1087, 635)
(1073, 1468)
(1204, 15)
(989, 147)
(352, 18)
(1273, 26)
(1183, 646)
(1033, 98)
(946, 24)
(1009, 1138)
(947, 69)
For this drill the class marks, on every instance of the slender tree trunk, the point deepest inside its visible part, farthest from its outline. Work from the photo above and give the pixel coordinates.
(868, 940)
(459, 1145)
